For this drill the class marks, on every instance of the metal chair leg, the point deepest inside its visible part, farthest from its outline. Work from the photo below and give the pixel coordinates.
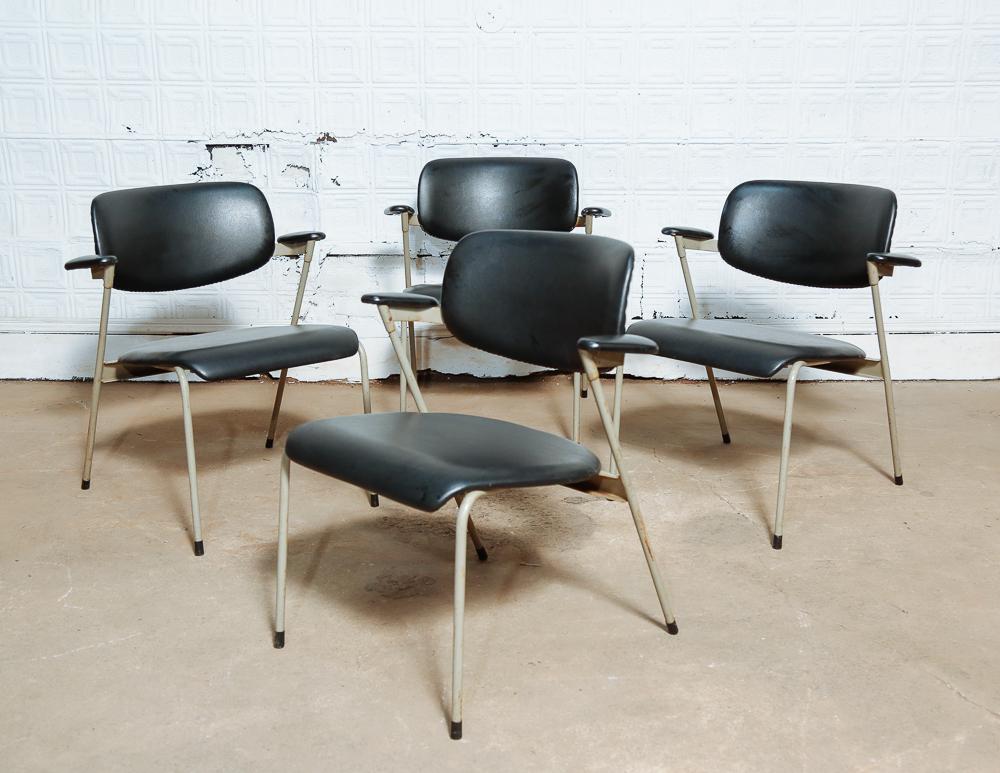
(617, 413)
(88, 454)
(279, 600)
(718, 405)
(662, 594)
(786, 445)
(273, 426)
(366, 402)
(461, 529)
(402, 381)
(883, 350)
(576, 407)
(199, 546)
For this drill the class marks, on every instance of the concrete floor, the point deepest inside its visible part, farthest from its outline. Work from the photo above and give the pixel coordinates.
(869, 643)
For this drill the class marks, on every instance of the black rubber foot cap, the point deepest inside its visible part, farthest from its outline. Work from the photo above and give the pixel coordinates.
(726, 439)
(899, 480)
(199, 548)
(583, 393)
(279, 640)
(483, 555)
(373, 500)
(269, 443)
(776, 542)
(456, 731)
(85, 484)
(672, 628)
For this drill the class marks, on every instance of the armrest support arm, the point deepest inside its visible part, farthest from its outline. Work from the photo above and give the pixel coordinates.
(694, 234)
(627, 343)
(412, 301)
(399, 209)
(595, 212)
(91, 261)
(893, 259)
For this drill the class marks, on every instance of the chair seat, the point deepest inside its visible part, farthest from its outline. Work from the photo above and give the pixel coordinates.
(740, 347)
(432, 290)
(247, 351)
(426, 459)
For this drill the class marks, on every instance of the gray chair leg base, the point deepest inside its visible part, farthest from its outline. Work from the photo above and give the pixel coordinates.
(279, 640)
(199, 548)
(85, 484)
(726, 439)
(899, 480)
(672, 628)
(373, 500)
(456, 731)
(776, 542)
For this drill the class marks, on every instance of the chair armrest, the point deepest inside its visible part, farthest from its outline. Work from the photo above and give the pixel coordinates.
(399, 209)
(892, 259)
(595, 212)
(694, 234)
(300, 237)
(91, 261)
(400, 300)
(627, 343)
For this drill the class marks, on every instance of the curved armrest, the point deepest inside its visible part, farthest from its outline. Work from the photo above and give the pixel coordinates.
(892, 259)
(91, 261)
(595, 212)
(399, 209)
(400, 300)
(300, 237)
(627, 343)
(694, 234)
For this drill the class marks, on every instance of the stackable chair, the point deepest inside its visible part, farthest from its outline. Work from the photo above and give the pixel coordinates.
(554, 300)
(181, 236)
(805, 233)
(458, 196)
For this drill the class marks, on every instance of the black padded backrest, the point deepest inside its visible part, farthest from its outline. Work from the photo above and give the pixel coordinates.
(172, 237)
(531, 295)
(457, 196)
(806, 233)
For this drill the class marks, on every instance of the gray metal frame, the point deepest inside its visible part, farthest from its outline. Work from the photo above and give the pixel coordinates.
(605, 485)
(109, 372)
(866, 368)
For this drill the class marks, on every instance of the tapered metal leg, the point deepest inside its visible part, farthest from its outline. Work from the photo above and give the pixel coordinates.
(576, 407)
(718, 405)
(617, 412)
(279, 600)
(461, 528)
(640, 525)
(88, 454)
(402, 381)
(366, 402)
(786, 445)
(883, 350)
(273, 426)
(477, 542)
(199, 546)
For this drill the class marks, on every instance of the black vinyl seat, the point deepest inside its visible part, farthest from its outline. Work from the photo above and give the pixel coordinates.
(740, 347)
(813, 234)
(176, 237)
(247, 351)
(425, 459)
(555, 300)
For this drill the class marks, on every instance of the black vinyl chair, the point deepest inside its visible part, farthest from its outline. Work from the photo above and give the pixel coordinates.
(459, 196)
(814, 234)
(555, 300)
(176, 237)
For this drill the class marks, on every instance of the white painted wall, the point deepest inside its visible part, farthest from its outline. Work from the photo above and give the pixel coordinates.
(663, 106)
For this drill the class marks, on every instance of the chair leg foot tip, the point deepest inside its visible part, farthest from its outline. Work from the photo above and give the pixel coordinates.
(373, 500)
(279, 640)
(726, 439)
(483, 555)
(456, 731)
(776, 542)
(269, 443)
(583, 394)
(899, 480)
(672, 628)
(85, 485)
(199, 548)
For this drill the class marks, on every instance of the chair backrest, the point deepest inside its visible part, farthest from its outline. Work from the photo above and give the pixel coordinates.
(458, 196)
(172, 237)
(806, 233)
(531, 295)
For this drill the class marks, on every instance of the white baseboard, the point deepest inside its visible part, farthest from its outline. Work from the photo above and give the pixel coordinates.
(915, 356)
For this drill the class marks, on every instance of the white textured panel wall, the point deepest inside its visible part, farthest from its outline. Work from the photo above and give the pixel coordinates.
(332, 108)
